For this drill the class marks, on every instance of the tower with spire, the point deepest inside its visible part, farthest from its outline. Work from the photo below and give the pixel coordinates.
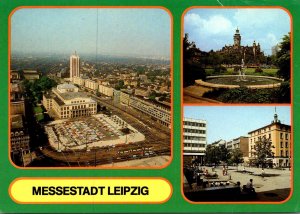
(279, 135)
(237, 38)
(250, 53)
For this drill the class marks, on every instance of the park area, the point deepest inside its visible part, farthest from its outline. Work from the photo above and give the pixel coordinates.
(272, 72)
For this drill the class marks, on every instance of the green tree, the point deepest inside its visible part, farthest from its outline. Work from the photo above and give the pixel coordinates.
(224, 153)
(120, 85)
(284, 58)
(192, 69)
(152, 95)
(210, 155)
(236, 157)
(216, 154)
(263, 152)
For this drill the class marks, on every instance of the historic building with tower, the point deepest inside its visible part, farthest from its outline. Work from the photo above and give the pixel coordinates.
(279, 135)
(251, 54)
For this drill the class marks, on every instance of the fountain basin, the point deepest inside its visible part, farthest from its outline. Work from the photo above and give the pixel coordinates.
(233, 81)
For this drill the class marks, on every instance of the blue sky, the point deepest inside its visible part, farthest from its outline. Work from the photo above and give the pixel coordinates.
(229, 122)
(213, 28)
(137, 32)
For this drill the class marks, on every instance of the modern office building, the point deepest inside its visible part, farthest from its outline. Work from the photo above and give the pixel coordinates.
(194, 138)
(280, 136)
(158, 112)
(74, 66)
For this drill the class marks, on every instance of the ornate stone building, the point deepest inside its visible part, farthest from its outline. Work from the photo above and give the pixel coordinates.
(250, 54)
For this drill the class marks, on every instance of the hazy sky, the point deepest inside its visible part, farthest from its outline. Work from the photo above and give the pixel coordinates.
(142, 32)
(229, 122)
(213, 28)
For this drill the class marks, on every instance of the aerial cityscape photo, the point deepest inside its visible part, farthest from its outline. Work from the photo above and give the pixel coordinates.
(236, 55)
(90, 87)
(237, 153)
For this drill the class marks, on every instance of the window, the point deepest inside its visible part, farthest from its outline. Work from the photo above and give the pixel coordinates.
(286, 144)
(281, 135)
(281, 145)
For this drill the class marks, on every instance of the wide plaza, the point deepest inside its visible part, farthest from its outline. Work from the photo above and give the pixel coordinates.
(274, 185)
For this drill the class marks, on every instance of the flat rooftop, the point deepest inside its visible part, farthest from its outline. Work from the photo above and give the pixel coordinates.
(16, 121)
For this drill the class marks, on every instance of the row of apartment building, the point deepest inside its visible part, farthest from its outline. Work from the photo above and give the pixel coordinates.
(133, 98)
(66, 101)
(194, 141)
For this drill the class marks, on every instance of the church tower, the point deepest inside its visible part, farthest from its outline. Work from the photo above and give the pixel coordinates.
(237, 38)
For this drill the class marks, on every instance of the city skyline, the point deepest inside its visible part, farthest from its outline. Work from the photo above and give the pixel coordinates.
(229, 122)
(121, 32)
(212, 29)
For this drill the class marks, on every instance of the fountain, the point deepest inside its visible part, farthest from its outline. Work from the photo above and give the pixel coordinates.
(230, 81)
(242, 75)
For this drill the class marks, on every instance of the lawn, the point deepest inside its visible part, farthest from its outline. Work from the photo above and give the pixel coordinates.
(39, 117)
(38, 109)
(248, 71)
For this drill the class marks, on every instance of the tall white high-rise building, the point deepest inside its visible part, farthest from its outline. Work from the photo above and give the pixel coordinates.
(74, 66)
(194, 138)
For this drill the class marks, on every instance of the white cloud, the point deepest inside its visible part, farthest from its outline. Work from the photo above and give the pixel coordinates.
(259, 18)
(216, 24)
(212, 30)
(272, 39)
(193, 19)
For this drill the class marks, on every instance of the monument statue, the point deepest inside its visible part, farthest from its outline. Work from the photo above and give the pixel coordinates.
(242, 75)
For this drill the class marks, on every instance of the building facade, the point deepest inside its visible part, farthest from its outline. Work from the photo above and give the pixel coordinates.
(279, 135)
(91, 84)
(241, 143)
(19, 139)
(156, 111)
(31, 75)
(194, 138)
(144, 92)
(67, 102)
(251, 54)
(74, 66)
(78, 80)
(108, 91)
(124, 98)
